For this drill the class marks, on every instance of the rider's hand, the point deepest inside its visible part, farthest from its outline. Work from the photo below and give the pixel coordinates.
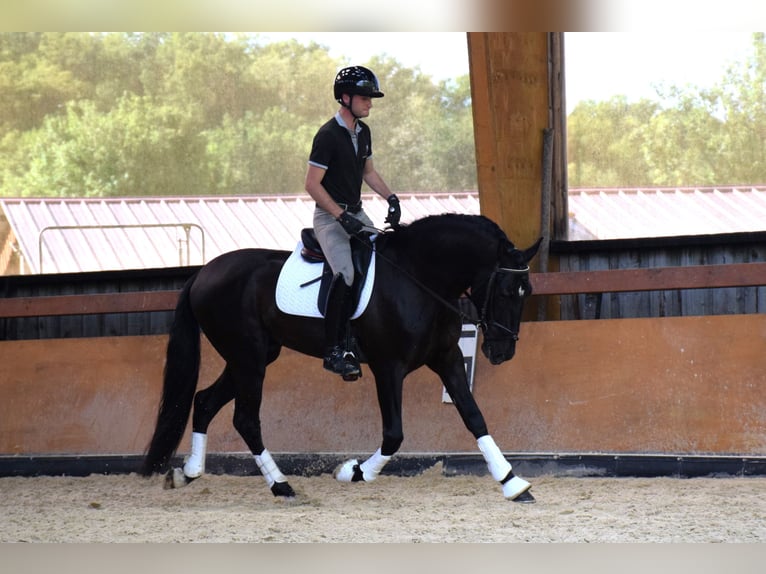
(351, 224)
(394, 211)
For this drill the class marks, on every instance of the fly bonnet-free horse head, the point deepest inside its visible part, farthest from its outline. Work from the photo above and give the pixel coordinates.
(506, 290)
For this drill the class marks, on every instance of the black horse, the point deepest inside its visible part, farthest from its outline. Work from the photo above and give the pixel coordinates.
(412, 319)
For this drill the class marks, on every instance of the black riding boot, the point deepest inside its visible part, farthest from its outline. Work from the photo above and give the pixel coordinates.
(338, 357)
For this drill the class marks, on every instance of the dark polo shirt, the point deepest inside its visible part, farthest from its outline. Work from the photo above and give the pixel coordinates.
(333, 150)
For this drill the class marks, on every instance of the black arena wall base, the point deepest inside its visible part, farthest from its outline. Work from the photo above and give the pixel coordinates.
(300, 464)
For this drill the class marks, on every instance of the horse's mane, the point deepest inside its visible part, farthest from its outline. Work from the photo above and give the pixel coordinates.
(455, 221)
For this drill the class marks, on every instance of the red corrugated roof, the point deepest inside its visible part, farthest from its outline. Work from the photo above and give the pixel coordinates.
(71, 235)
(616, 213)
(55, 235)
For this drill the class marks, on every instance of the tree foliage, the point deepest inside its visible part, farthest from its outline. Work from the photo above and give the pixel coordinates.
(689, 137)
(131, 114)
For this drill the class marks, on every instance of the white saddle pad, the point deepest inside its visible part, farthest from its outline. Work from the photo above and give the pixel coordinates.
(296, 300)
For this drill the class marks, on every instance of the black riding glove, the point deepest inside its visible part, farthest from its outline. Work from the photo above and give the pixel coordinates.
(351, 224)
(394, 211)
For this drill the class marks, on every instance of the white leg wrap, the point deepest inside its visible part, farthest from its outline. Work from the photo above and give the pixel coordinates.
(269, 468)
(345, 472)
(372, 466)
(498, 466)
(195, 464)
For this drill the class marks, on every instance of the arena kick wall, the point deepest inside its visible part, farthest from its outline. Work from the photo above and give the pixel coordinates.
(682, 385)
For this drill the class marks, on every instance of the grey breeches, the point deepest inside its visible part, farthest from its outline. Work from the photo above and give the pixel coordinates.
(335, 242)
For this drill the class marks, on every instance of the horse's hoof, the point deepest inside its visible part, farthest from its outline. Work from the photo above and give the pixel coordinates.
(349, 471)
(514, 486)
(282, 489)
(525, 498)
(175, 478)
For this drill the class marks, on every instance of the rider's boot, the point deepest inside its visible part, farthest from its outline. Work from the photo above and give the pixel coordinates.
(338, 358)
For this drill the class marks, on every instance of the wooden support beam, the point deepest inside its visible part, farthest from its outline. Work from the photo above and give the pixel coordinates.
(88, 304)
(562, 283)
(509, 91)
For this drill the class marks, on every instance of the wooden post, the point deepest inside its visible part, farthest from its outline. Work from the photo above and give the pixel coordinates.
(510, 94)
(516, 96)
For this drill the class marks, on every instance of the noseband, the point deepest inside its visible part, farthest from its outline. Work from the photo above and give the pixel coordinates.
(486, 323)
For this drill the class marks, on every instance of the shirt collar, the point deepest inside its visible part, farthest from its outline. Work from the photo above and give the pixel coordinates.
(339, 119)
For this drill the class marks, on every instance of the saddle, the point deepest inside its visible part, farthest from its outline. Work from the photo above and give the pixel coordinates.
(361, 254)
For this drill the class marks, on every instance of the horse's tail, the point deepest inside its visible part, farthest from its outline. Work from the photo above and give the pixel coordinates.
(179, 385)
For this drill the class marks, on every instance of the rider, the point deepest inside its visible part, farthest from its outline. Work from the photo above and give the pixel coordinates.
(340, 160)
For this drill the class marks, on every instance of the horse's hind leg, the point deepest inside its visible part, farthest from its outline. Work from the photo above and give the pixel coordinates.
(388, 382)
(207, 403)
(248, 381)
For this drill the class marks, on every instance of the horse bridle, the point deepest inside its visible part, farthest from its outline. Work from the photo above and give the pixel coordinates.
(483, 322)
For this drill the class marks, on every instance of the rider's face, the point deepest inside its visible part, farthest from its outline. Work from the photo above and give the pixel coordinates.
(361, 105)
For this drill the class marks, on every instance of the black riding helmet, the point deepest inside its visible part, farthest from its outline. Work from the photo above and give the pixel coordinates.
(356, 81)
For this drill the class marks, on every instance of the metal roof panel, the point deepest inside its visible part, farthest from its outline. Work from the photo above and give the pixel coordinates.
(148, 232)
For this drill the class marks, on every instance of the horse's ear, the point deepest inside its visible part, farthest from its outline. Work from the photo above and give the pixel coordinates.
(530, 252)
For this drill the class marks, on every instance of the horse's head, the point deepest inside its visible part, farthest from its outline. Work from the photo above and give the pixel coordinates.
(507, 289)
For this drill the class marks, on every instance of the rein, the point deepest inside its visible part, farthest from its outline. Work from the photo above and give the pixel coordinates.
(481, 322)
(423, 286)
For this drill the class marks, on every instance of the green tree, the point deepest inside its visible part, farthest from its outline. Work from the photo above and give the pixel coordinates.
(742, 96)
(264, 153)
(136, 149)
(683, 145)
(688, 137)
(603, 142)
(414, 127)
(32, 88)
(196, 113)
(294, 78)
(15, 45)
(201, 72)
(450, 135)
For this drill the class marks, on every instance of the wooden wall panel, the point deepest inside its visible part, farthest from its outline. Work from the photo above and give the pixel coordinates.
(685, 385)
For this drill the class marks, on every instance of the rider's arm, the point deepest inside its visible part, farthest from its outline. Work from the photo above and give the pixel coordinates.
(374, 180)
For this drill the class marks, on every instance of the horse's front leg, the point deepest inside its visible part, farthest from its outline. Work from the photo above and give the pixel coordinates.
(389, 388)
(514, 487)
(451, 369)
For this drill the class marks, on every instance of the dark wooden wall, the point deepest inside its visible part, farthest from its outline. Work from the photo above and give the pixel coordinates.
(662, 252)
(152, 323)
